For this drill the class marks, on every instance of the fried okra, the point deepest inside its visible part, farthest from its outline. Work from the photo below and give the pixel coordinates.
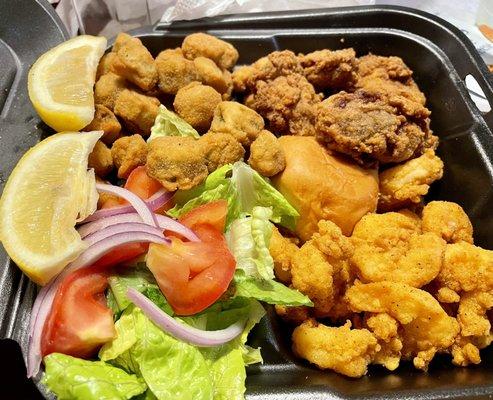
(204, 45)
(195, 103)
(238, 121)
(174, 71)
(210, 74)
(100, 159)
(137, 111)
(107, 89)
(220, 149)
(128, 152)
(266, 154)
(104, 120)
(176, 162)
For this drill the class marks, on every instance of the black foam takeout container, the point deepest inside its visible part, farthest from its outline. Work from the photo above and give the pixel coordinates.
(440, 56)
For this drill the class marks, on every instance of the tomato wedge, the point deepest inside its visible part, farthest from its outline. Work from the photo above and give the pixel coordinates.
(79, 321)
(213, 214)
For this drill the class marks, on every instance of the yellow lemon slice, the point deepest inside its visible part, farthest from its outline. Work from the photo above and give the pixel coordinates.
(47, 192)
(61, 83)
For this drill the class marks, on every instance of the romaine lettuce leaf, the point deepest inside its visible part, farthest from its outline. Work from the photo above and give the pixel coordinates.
(168, 123)
(248, 239)
(269, 291)
(76, 379)
(171, 368)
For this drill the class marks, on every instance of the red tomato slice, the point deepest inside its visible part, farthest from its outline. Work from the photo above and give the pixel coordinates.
(193, 275)
(79, 321)
(141, 184)
(211, 213)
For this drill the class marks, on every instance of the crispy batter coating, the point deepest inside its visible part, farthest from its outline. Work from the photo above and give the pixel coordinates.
(345, 350)
(100, 159)
(270, 67)
(196, 103)
(104, 120)
(137, 111)
(447, 296)
(464, 353)
(220, 149)
(320, 269)
(472, 316)
(391, 247)
(128, 152)
(467, 268)
(447, 220)
(405, 184)
(282, 251)
(293, 315)
(210, 74)
(134, 62)
(369, 128)
(238, 121)
(426, 327)
(287, 103)
(266, 155)
(107, 89)
(204, 45)
(335, 69)
(176, 162)
(105, 65)
(174, 71)
(392, 67)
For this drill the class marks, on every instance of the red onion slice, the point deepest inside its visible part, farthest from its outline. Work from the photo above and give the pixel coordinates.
(180, 330)
(121, 228)
(164, 222)
(155, 202)
(46, 295)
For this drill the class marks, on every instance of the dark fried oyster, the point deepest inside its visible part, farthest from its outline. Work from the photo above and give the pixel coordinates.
(372, 129)
(104, 120)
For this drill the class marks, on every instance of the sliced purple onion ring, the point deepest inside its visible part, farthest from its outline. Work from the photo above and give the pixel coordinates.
(121, 228)
(180, 330)
(156, 201)
(164, 222)
(46, 295)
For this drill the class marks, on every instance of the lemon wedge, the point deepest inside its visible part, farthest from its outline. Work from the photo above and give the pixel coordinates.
(61, 83)
(47, 192)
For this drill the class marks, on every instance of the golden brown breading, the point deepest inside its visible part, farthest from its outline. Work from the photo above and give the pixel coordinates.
(266, 155)
(128, 152)
(370, 129)
(134, 62)
(392, 67)
(100, 159)
(287, 103)
(320, 270)
(472, 316)
(238, 121)
(210, 74)
(447, 296)
(104, 120)
(220, 149)
(447, 220)
(464, 353)
(174, 71)
(345, 350)
(282, 251)
(405, 184)
(293, 315)
(137, 111)
(270, 67)
(105, 65)
(107, 89)
(467, 268)
(204, 45)
(334, 69)
(391, 247)
(426, 327)
(176, 162)
(195, 103)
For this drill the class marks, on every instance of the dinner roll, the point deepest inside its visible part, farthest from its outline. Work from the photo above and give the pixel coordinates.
(322, 185)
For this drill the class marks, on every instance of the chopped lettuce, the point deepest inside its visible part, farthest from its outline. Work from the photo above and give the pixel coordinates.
(248, 238)
(269, 291)
(76, 379)
(243, 188)
(167, 123)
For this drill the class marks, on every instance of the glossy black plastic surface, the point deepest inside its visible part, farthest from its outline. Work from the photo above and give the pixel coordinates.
(441, 57)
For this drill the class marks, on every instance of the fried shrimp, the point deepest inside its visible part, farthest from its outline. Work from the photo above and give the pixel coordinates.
(282, 251)
(447, 220)
(406, 184)
(426, 327)
(391, 247)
